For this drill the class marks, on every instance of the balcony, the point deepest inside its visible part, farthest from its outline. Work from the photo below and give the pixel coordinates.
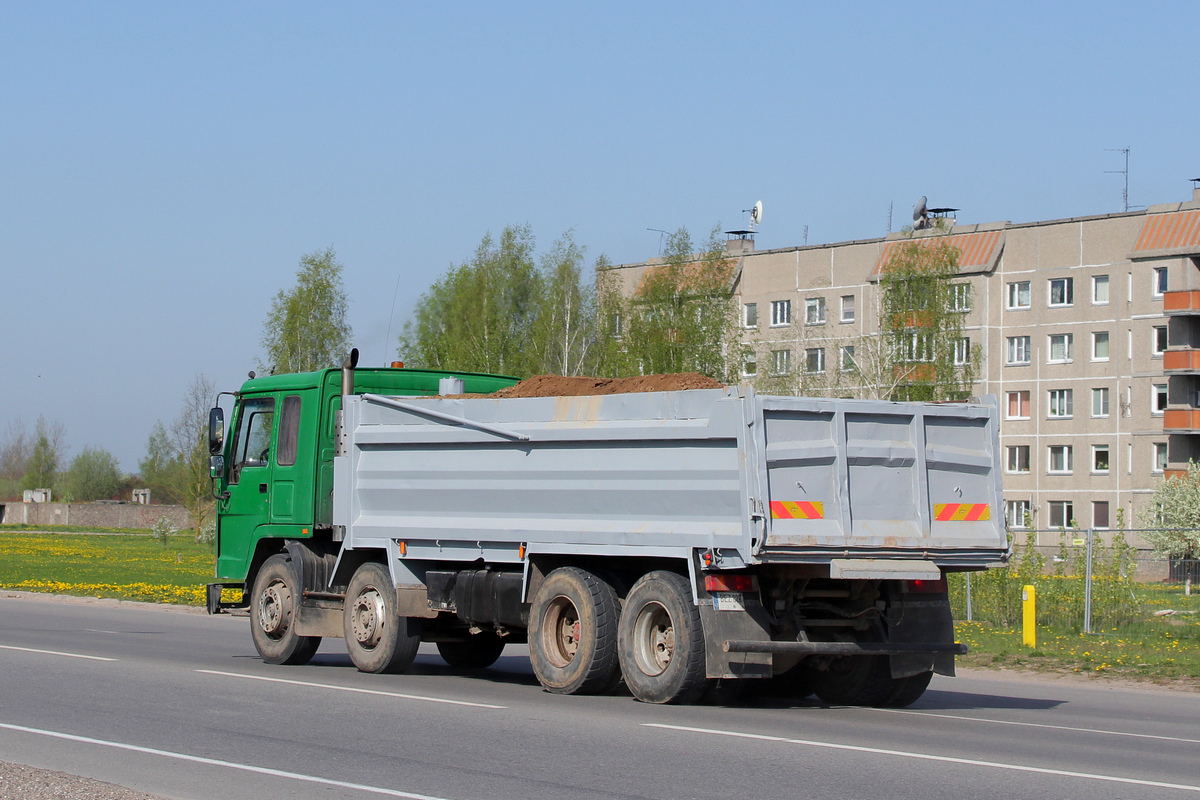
(1181, 420)
(1185, 302)
(1182, 362)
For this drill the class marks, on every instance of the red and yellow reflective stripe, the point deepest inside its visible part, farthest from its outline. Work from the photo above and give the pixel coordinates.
(787, 509)
(961, 512)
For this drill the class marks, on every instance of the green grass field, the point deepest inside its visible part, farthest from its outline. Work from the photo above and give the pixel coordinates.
(128, 566)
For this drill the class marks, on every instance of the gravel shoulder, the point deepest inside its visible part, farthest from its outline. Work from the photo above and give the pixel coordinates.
(19, 782)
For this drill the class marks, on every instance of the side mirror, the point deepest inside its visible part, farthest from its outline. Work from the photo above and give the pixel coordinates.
(216, 467)
(216, 431)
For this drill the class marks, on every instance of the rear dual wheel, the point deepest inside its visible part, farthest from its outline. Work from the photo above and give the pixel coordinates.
(573, 633)
(662, 641)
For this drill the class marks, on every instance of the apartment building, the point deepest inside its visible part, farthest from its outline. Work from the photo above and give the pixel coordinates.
(1086, 329)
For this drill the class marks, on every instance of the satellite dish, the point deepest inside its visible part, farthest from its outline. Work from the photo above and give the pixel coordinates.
(756, 212)
(919, 209)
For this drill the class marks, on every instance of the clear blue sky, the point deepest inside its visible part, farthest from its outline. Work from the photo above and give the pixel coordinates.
(163, 166)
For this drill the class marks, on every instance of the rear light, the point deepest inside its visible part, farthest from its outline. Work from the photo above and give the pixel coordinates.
(729, 583)
(926, 586)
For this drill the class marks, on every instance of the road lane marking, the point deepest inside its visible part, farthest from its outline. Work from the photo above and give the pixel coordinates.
(54, 653)
(970, 762)
(425, 698)
(1038, 725)
(216, 762)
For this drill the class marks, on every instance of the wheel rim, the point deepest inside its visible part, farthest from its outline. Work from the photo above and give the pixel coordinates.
(273, 605)
(367, 615)
(561, 631)
(653, 639)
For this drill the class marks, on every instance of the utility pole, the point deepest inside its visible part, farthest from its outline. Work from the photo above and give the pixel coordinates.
(1125, 172)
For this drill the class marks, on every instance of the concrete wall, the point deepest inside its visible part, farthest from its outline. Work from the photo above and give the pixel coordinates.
(100, 515)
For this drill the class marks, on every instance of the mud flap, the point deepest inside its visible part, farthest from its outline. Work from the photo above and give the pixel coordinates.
(723, 626)
(926, 619)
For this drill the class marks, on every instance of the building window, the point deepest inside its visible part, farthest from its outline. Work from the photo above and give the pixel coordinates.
(1160, 456)
(848, 364)
(1100, 402)
(781, 312)
(1018, 458)
(1018, 295)
(1160, 281)
(1160, 340)
(1062, 514)
(1018, 405)
(1062, 460)
(847, 308)
(1016, 513)
(1100, 346)
(750, 315)
(814, 311)
(1158, 398)
(960, 297)
(1100, 458)
(962, 351)
(1100, 514)
(1061, 403)
(1018, 350)
(750, 367)
(781, 360)
(814, 359)
(920, 347)
(1062, 348)
(1100, 290)
(1062, 291)
(618, 326)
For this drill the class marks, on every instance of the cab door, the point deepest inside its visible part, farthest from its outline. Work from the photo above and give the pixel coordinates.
(247, 505)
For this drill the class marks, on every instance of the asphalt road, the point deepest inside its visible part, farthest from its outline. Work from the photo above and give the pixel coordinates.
(178, 704)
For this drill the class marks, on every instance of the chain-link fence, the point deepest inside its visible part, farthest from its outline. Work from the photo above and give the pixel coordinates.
(1088, 581)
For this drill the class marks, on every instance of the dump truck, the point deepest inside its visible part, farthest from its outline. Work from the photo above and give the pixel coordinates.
(685, 543)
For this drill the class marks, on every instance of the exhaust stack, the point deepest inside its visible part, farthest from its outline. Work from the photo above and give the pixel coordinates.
(348, 371)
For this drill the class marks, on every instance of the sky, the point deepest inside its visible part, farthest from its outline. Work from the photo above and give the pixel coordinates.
(164, 166)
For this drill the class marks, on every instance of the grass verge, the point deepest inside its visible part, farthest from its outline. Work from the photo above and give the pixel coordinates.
(129, 567)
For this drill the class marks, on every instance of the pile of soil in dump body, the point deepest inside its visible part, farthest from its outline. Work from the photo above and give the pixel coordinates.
(559, 386)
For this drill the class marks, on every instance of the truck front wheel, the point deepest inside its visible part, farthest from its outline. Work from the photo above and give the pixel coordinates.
(573, 633)
(662, 641)
(377, 639)
(274, 606)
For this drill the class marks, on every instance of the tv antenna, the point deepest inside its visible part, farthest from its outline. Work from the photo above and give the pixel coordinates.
(1125, 172)
(661, 233)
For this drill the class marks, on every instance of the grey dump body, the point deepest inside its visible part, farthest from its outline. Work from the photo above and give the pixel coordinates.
(724, 478)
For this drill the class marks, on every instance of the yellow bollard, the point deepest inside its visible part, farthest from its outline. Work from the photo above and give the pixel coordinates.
(1029, 615)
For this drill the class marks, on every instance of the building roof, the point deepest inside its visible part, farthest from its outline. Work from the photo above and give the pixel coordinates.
(1168, 234)
(977, 252)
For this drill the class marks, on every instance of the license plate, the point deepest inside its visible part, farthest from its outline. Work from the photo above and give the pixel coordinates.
(728, 601)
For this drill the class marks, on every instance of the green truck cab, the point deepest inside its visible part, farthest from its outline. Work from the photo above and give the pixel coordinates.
(273, 474)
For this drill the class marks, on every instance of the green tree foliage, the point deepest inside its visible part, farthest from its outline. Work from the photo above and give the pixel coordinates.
(93, 475)
(681, 317)
(1175, 505)
(501, 312)
(306, 328)
(14, 455)
(41, 468)
(176, 461)
(919, 324)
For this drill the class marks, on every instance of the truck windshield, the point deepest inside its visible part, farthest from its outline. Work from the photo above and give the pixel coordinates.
(252, 441)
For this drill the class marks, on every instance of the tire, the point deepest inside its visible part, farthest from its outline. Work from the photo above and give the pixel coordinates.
(274, 606)
(377, 639)
(662, 641)
(906, 691)
(478, 652)
(854, 681)
(573, 633)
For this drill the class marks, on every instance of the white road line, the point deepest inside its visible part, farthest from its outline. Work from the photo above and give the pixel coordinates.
(54, 653)
(1036, 725)
(216, 762)
(970, 762)
(350, 689)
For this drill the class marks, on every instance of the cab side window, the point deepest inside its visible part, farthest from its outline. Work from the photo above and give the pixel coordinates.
(252, 445)
(289, 431)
